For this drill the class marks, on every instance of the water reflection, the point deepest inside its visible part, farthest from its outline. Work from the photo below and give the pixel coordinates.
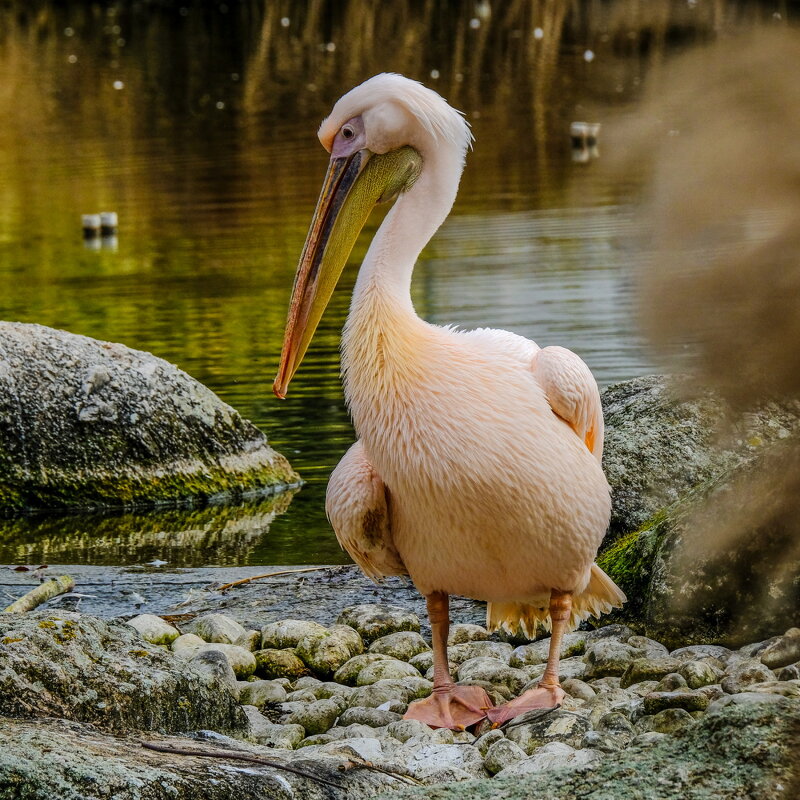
(195, 122)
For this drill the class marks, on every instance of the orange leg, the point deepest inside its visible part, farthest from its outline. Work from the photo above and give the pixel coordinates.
(548, 694)
(449, 706)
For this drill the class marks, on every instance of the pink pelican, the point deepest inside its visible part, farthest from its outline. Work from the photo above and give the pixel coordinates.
(477, 465)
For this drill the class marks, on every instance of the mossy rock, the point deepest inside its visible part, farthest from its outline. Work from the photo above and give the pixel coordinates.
(273, 664)
(91, 424)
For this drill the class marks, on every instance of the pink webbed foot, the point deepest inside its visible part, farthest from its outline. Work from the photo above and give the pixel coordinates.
(540, 697)
(453, 707)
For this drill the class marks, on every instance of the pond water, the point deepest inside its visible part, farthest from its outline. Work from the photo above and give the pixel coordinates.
(196, 124)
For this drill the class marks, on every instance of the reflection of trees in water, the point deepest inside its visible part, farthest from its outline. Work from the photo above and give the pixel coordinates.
(221, 535)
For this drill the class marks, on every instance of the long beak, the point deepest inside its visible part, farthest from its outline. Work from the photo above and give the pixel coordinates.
(352, 187)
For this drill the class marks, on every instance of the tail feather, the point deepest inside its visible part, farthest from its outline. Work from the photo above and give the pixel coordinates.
(599, 597)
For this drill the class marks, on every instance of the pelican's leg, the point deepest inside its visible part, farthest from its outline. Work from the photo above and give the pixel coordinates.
(548, 694)
(449, 706)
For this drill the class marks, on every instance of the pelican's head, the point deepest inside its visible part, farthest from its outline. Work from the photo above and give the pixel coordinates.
(379, 135)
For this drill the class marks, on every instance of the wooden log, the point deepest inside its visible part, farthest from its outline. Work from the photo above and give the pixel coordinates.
(41, 594)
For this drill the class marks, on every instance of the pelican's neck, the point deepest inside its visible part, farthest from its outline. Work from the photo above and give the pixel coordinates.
(385, 275)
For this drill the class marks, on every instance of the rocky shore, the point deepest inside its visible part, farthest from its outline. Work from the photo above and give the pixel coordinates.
(327, 701)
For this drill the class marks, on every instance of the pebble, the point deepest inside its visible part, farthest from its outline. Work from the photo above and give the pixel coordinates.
(153, 629)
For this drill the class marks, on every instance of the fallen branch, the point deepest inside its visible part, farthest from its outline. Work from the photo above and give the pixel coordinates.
(357, 761)
(41, 594)
(232, 754)
(226, 586)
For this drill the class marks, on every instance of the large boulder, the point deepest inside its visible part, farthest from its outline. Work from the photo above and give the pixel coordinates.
(91, 424)
(63, 664)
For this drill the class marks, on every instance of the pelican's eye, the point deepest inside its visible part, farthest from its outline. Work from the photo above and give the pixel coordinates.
(348, 132)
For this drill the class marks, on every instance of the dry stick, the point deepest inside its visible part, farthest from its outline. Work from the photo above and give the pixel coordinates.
(180, 751)
(42, 593)
(268, 575)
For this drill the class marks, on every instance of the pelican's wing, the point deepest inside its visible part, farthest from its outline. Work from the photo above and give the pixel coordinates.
(572, 393)
(357, 504)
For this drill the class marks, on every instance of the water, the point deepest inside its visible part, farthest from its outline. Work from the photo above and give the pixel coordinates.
(198, 129)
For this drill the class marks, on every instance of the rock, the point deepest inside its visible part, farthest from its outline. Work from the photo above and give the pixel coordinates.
(671, 682)
(288, 633)
(465, 632)
(699, 652)
(650, 647)
(648, 669)
(551, 756)
(597, 740)
(671, 720)
(390, 669)
(438, 763)
(617, 726)
(403, 645)
(261, 693)
(68, 665)
(743, 751)
(785, 688)
(216, 668)
(689, 701)
(460, 653)
(373, 717)
(561, 726)
(187, 642)
(262, 731)
(153, 629)
(573, 644)
(243, 662)
(578, 689)
(784, 651)
(492, 671)
(328, 689)
(792, 672)
(503, 753)
(749, 699)
(486, 740)
(250, 641)
(700, 673)
(349, 671)
(216, 628)
(405, 729)
(424, 661)
(745, 673)
(279, 664)
(91, 424)
(568, 669)
(324, 653)
(607, 658)
(301, 696)
(337, 734)
(387, 691)
(613, 630)
(316, 717)
(375, 620)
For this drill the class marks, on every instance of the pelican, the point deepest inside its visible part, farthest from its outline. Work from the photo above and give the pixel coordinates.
(477, 466)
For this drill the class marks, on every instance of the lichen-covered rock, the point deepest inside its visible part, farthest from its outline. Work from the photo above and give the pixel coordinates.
(251, 640)
(63, 664)
(390, 669)
(463, 632)
(701, 652)
(374, 620)
(387, 691)
(261, 693)
(492, 671)
(688, 701)
(700, 673)
(349, 671)
(648, 669)
(316, 717)
(550, 757)
(324, 653)
(243, 662)
(670, 720)
(405, 729)
(153, 629)
(460, 653)
(90, 424)
(566, 727)
(744, 673)
(262, 731)
(217, 628)
(373, 717)
(273, 664)
(403, 645)
(288, 633)
(573, 644)
(187, 642)
(503, 753)
(578, 689)
(568, 668)
(439, 763)
(609, 658)
(215, 668)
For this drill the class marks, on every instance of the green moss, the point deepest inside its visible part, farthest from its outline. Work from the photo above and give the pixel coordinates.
(13, 639)
(47, 623)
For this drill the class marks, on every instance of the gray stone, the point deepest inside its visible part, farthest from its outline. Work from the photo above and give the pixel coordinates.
(578, 689)
(550, 757)
(403, 645)
(607, 658)
(745, 673)
(672, 682)
(187, 641)
(785, 688)
(492, 671)
(338, 734)
(437, 763)
(324, 653)
(424, 661)
(391, 669)
(700, 673)
(301, 696)
(617, 725)
(671, 720)
(68, 665)
(349, 671)
(650, 647)
(698, 652)
(153, 629)
(565, 727)
(288, 633)
(327, 689)
(215, 668)
(466, 632)
(374, 620)
(217, 628)
(615, 630)
(261, 693)
(90, 424)
(784, 651)
(262, 731)
(405, 729)
(568, 669)
(503, 753)
(316, 717)
(648, 669)
(689, 701)
(373, 717)
(273, 664)
(250, 641)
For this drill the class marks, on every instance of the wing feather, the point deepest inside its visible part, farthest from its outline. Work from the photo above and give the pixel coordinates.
(357, 504)
(572, 393)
